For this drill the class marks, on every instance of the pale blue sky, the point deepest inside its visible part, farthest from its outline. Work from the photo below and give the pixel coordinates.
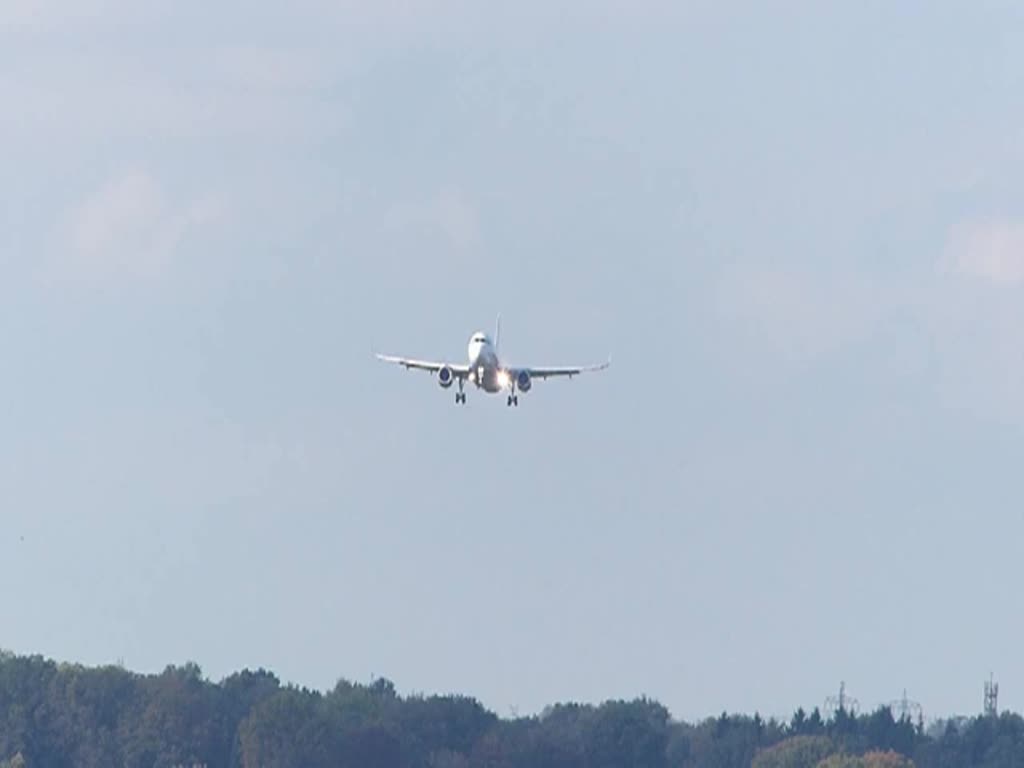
(797, 227)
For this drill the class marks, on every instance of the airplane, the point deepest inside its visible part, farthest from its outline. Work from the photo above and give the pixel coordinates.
(485, 370)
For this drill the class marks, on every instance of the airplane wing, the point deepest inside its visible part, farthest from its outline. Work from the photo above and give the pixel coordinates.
(460, 371)
(548, 373)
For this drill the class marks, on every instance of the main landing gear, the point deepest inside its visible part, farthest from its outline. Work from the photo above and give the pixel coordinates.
(460, 396)
(513, 398)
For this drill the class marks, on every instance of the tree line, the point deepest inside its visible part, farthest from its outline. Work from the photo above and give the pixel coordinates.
(69, 716)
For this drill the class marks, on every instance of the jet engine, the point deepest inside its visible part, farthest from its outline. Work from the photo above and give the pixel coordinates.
(445, 377)
(523, 381)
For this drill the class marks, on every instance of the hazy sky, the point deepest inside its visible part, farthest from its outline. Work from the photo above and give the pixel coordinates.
(797, 227)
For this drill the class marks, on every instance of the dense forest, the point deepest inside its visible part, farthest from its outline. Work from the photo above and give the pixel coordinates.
(55, 715)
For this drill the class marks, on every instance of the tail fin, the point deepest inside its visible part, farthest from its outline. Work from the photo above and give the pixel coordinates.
(497, 332)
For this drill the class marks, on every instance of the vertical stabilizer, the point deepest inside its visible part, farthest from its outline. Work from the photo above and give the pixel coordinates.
(497, 332)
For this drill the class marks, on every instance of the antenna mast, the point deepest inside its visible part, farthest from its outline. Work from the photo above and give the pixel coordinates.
(991, 697)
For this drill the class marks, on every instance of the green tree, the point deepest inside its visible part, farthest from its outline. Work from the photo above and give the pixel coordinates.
(289, 729)
(795, 752)
(242, 692)
(622, 733)
(874, 759)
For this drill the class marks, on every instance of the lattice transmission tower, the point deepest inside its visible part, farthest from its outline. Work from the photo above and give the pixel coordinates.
(842, 701)
(905, 709)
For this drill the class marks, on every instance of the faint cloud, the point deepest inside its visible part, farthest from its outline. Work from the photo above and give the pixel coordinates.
(979, 344)
(447, 215)
(950, 338)
(456, 218)
(271, 69)
(792, 314)
(50, 12)
(128, 227)
(991, 249)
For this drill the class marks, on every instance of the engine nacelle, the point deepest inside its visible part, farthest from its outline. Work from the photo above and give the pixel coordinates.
(523, 381)
(445, 377)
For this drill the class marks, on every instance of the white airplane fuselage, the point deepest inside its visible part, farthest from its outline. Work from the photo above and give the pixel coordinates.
(484, 367)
